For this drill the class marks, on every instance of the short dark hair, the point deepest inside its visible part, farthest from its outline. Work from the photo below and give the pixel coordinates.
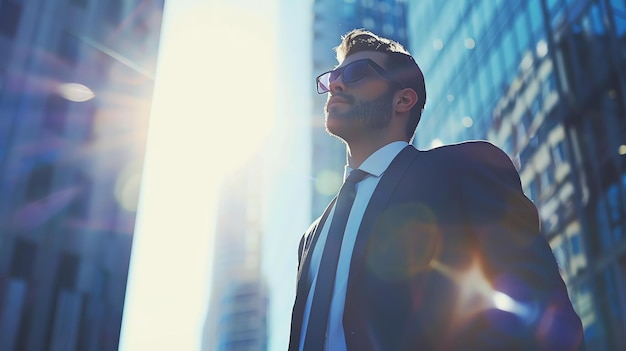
(400, 65)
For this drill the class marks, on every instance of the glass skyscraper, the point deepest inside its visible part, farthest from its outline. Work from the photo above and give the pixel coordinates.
(543, 80)
(237, 313)
(76, 82)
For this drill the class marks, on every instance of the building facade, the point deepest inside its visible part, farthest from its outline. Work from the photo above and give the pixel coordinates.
(543, 80)
(76, 80)
(237, 314)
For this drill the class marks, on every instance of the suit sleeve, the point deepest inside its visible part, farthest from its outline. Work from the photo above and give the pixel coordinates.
(529, 305)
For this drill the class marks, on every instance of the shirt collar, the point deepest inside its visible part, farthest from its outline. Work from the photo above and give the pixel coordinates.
(377, 163)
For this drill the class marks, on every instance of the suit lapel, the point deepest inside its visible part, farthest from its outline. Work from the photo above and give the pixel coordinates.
(378, 202)
(310, 240)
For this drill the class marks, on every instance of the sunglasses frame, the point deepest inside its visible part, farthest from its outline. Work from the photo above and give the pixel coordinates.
(340, 70)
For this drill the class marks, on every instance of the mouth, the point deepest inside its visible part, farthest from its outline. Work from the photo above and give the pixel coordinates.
(337, 100)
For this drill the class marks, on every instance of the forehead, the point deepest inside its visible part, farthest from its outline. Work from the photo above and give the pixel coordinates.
(375, 56)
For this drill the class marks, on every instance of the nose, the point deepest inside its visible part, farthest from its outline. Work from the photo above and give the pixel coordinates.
(337, 84)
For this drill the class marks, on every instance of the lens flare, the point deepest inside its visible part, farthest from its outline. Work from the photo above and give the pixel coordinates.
(504, 302)
(75, 92)
(476, 293)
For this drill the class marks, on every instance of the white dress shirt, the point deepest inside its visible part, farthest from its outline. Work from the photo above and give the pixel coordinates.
(375, 165)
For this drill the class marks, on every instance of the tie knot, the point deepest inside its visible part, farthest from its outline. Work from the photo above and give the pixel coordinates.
(356, 176)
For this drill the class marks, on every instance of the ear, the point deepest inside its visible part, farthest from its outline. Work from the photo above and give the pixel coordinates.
(404, 100)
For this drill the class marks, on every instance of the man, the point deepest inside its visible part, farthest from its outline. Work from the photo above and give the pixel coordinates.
(441, 249)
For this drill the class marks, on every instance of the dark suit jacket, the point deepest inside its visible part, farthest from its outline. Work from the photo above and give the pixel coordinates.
(444, 231)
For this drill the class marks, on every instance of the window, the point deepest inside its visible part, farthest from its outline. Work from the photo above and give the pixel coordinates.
(533, 189)
(23, 259)
(10, 13)
(619, 16)
(79, 208)
(508, 49)
(521, 134)
(388, 29)
(39, 182)
(473, 103)
(69, 48)
(554, 6)
(558, 153)
(368, 22)
(478, 19)
(484, 85)
(508, 145)
(547, 178)
(618, 5)
(521, 28)
(548, 86)
(596, 21)
(536, 15)
(88, 115)
(609, 213)
(575, 244)
(55, 113)
(67, 271)
(535, 107)
(497, 70)
(80, 3)
(526, 120)
(499, 3)
(561, 257)
(113, 11)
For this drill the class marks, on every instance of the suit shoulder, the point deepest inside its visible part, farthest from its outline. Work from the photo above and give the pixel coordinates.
(475, 151)
(465, 146)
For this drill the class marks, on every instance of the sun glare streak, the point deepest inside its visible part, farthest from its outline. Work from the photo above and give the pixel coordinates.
(212, 110)
(476, 293)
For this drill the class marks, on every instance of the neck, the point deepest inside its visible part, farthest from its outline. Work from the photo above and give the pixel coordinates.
(360, 145)
(358, 152)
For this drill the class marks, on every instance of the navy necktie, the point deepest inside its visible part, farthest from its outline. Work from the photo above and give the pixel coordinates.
(320, 308)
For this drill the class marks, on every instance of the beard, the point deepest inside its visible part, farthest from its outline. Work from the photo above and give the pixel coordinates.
(370, 114)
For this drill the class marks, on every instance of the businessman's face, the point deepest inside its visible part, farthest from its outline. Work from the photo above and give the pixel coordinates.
(359, 96)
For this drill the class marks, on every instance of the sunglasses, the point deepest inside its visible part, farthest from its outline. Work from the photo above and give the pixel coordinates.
(352, 72)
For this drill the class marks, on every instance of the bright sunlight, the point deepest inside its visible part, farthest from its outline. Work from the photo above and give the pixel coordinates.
(213, 107)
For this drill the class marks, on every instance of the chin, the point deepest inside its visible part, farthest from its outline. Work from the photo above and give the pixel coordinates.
(338, 114)
(337, 125)
(336, 134)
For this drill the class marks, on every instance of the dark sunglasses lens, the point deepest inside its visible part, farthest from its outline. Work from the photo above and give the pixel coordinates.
(354, 71)
(350, 74)
(333, 75)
